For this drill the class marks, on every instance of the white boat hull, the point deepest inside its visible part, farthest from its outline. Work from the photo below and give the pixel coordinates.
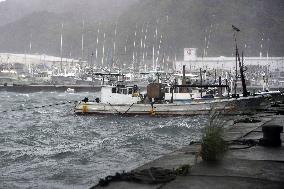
(228, 106)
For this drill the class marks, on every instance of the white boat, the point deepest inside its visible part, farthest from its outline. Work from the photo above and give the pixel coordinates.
(275, 95)
(128, 100)
(70, 90)
(268, 92)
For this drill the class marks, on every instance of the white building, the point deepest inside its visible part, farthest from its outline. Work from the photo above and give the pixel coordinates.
(192, 62)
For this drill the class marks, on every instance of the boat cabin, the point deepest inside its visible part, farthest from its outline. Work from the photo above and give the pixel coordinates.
(180, 94)
(120, 94)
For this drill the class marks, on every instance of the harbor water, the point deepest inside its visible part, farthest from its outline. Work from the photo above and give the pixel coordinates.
(51, 147)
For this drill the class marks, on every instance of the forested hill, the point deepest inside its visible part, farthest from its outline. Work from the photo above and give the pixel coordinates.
(13, 10)
(186, 23)
(170, 24)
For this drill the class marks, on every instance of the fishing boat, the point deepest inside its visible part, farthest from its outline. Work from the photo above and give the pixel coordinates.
(127, 100)
(276, 96)
(175, 99)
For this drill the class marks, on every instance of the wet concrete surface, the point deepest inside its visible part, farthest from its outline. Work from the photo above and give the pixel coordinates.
(209, 182)
(244, 167)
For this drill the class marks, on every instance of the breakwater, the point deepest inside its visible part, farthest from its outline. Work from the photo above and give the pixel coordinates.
(88, 88)
(49, 88)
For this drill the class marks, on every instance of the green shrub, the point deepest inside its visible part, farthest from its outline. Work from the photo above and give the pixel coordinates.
(213, 145)
(183, 170)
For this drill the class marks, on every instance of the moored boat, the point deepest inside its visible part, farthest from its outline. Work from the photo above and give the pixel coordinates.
(70, 90)
(127, 100)
(176, 99)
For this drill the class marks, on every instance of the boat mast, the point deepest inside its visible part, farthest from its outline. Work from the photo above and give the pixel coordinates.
(30, 47)
(201, 82)
(103, 57)
(82, 39)
(241, 65)
(114, 40)
(153, 57)
(141, 52)
(236, 77)
(144, 46)
(92, 68)
(30, 52)
(61, 44)
(134, 49)
(98, 33)
(156, 47)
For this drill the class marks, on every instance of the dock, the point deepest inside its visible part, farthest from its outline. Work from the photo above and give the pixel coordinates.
(242, 166)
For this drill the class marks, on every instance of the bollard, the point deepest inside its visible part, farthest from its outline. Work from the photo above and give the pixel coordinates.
(271, 135)
(280, 111)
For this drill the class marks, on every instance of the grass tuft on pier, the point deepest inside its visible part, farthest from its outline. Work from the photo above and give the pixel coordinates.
(213, 145)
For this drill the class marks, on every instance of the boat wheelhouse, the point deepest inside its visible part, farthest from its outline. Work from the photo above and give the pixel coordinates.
(120, 94)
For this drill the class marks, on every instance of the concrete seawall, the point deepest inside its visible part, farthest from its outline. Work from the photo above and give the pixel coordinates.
(241, 167)
(49, 88)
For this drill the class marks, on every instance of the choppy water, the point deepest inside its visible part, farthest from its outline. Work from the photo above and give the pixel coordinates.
(52, 147)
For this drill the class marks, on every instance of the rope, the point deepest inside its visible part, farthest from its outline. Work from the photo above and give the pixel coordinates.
(128, 108)
(119, 111)
(241, 148)
(37, 107)
(249, 143)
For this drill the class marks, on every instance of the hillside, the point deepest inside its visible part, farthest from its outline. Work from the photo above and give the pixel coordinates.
(39, 22)
(178, 24)
(187, 23)
(13, 10)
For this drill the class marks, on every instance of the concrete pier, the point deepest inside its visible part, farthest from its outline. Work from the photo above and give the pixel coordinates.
(241, 167)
